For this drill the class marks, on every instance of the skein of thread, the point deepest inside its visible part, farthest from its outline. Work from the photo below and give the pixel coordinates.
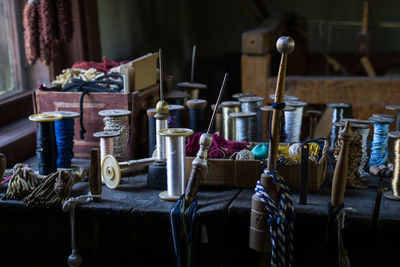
(337, 115)
(152, 130)
(196, 114)
(379, 151)
(266, 112)
(228, 126)
(218, 118)
(175, 116)
(46, 145)
(293, 121)
(107, 139)
(242, 122)
(116, 120)
(64, 130)
(253, 104)
(395, 182)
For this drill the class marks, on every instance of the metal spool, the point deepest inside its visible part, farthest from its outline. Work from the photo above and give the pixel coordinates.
(253, 104)
(176, 162)
(337, 115)
(266, 112)
(228, 123)
(112, 170)
(242, 122)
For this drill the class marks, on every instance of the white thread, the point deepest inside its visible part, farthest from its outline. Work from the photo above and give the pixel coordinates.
(176, 167)
(160, 140)
(120, 125)
(106, 147)
(255, 122)
(293, 121)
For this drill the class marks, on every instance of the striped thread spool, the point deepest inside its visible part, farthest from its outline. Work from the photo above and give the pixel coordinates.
(293, 121)
(242, 122)
(253, 104)
(196, 114)
(337, 115)
(229, 128)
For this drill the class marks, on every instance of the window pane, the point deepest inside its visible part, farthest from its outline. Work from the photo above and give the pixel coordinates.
(6, 69)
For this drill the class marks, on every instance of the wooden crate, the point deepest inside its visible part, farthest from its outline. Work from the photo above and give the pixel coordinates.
(137, 102)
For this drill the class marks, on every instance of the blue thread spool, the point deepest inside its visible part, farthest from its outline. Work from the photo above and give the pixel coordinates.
(175, 116)
(379, 150)
(337, 115)
(196, 114)
(46, 146)
(152, 130)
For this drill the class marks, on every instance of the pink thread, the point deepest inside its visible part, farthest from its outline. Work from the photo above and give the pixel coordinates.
(104, 66)
(218, 143)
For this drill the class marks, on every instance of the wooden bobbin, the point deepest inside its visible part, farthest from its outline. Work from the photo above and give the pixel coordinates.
(265, 117)
(338, 105)
(176, 96)
(397, 109)
(389, 194)
(104, 135)
(358, 121)
(295, 103)
(114, 113)
(381, 119)
(3, 165)
(45, 117)
(340, 175)
(218, 118)
(258, 236)
(112, 170)
(192, 88)
(95, 184)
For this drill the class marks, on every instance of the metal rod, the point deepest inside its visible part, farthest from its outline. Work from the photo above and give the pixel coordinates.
(221, 92)
(161, 74)
(193, 60)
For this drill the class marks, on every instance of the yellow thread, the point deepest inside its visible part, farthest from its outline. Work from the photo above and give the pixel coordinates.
(396, 169)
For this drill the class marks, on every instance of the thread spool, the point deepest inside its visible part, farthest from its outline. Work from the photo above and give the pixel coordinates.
(395, 182)
(242, 122)
(293, 121)
(241, 95)
(115, 120)
(112, 170)
(176, 162)
(152, 129)
(397, 109)
(161, 117)
(253, 104)
(379, 151)
(361, 130)
(175, 116)
(196, 114)
(364, 132)
(218, 118)
(64, 130)
(266, 112)
(337, 115)
(107, 140)
(228, 126)
(46, 145)
(380, 115)
(285, 97)
(176, 97)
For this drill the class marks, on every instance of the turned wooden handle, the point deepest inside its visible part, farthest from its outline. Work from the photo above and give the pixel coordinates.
(95, 184)
(3, 165)
(199, 172)
(364, 27)
(340, 175)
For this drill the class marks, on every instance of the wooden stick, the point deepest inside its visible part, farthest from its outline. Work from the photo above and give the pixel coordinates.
(364, 27)
(366, 63)
(95, 184)
(340, 175)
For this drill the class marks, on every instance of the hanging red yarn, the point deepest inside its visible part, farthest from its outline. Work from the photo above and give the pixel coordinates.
(220, 147)
(64, 19)
(31, 31)
(104, 66)
(48, 16)
(46, 50)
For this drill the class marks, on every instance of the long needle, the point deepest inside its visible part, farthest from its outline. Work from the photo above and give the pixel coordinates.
(221, 92)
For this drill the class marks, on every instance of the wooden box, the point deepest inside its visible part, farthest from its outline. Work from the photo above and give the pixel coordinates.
(137, 102)
(229, 172)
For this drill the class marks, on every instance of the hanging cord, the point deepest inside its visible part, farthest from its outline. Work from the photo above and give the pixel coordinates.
(64, 131)
(46, 148)
(74, 259)
(98, 85)
(118, 124)
(379, 151)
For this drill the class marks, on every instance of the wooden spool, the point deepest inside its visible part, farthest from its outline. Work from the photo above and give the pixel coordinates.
(192, 88)
(112, 170)
(95, 184)
(265, 117)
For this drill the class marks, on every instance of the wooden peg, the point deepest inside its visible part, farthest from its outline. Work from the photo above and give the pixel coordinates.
(340, 175)
(95, 173)
(313, 115)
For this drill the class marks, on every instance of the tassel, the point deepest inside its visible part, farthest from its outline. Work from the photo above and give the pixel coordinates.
(31, 31)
